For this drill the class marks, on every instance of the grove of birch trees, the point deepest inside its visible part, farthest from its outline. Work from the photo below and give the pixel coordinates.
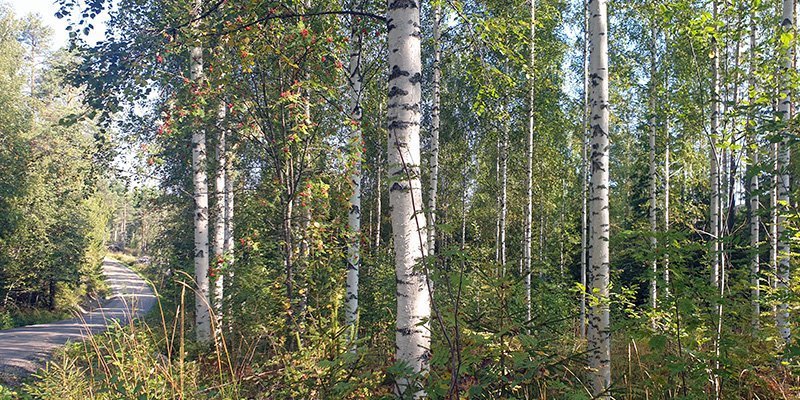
(444, 199)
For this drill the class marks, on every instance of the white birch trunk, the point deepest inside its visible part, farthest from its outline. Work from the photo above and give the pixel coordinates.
(785, 111)
(714, 160)
(356, 145)
(666, 203)
(584, 172)
(652, 160)
(526, 246)
(773, 225)
(219, 221)
(503, 211)
(434, 160)
(202, 304)
(755, 290)
(230, 176)
(378, 201)
(599, 333)
(412, 336)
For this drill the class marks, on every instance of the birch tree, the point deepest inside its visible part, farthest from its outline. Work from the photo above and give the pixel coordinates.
(202, 304)
(354, 81)
(652, 176)
(598, 332)
(220, 196)
(714, 162)
(783, 152)
(584, 172)
(755, 218)
(526, 248)
(405, 193)
(435, 123)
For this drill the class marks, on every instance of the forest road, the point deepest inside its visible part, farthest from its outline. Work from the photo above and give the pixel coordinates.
(25, 349)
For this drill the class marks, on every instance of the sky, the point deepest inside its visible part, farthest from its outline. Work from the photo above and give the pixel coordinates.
(46, 10)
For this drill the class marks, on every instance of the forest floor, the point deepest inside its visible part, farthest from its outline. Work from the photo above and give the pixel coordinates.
(25, 349)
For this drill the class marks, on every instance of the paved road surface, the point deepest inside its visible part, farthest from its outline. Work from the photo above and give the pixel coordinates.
(25, 349)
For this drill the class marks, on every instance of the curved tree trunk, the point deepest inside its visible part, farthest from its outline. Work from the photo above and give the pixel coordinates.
(405, 192)
(599, 333)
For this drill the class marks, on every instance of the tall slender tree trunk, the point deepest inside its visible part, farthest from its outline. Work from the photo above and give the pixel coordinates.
(378, 201)
(718, 269)
(652, 156)
(599, 332)
(503, 211)
(584, 172)
(773, 225)
(202, 304)
(526, 246)
(356, 145)
(230, 176)
(405, 194)
(434, 160)
(219, 220)
(785, 111)
(667, 172)
(755, 223)
(714, 160)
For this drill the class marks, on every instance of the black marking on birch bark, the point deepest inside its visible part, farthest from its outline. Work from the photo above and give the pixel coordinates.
(416, 78)
(398, 186)
(398, 4)
(351, 267)
(425, 356)
(398, 294)
(354, 209)
(199, 253)
(402, 124)
(595, 79)
(409, 106)
(397, 72)
(402, 282)
(405, 331)
(396, 91)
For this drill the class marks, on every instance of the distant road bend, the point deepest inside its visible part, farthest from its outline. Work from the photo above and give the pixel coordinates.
(25, 349)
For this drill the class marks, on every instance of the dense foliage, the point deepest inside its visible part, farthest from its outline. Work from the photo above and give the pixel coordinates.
(54, 195)
(277, 80)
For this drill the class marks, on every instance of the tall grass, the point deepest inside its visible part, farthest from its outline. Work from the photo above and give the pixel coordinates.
(137, 361)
